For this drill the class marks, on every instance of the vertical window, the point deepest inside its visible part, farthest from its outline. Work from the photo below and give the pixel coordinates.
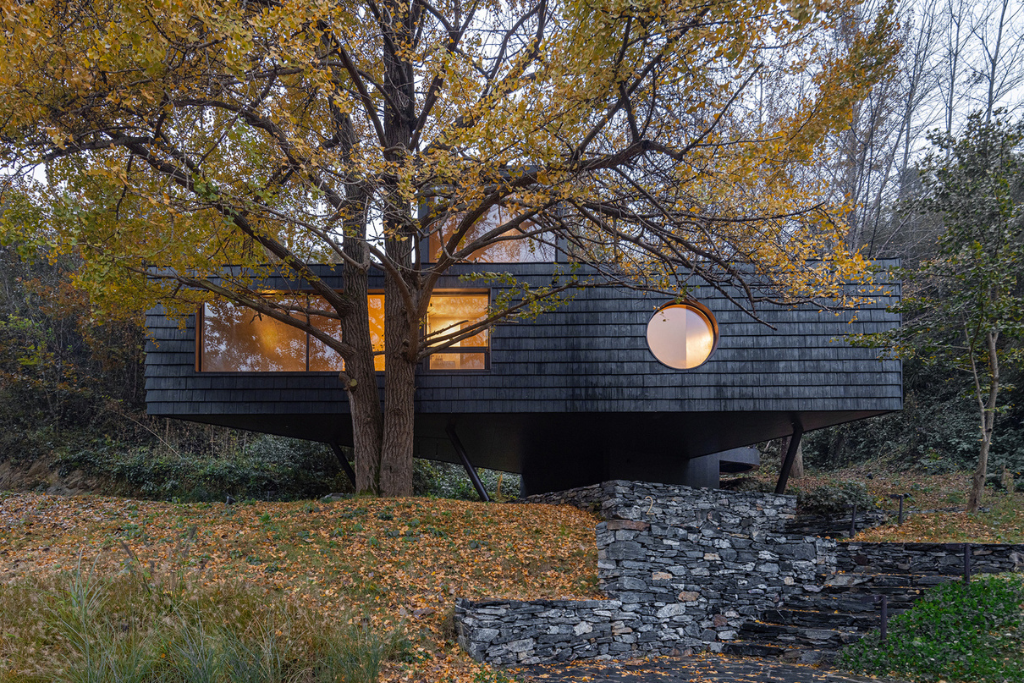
(375, 304)
(517, 250)
(447, 315)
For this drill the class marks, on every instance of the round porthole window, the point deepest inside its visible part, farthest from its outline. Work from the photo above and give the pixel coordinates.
(682, 336)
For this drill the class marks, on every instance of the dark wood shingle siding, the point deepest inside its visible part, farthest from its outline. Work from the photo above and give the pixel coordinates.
(589, 355)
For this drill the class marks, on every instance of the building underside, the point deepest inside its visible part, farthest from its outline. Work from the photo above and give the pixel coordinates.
(557, 451)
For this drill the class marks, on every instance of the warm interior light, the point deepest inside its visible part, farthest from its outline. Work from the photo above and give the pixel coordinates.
(681, 336)
(518, 250)
(449, 313)
(323, 357)
(237, 339)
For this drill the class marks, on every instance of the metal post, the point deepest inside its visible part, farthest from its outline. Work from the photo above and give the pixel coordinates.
(901, 509)
(967, 562)
(787, 464)
(343, 461)
(885, 616)
(853, 521)
(470, 470)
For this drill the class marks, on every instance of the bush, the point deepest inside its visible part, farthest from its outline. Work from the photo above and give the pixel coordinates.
(835, 499)
(448, 480)
(268, 468)
(957, 633)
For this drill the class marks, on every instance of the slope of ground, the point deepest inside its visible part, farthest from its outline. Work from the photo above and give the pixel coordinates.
(390, 560)
(934, 505)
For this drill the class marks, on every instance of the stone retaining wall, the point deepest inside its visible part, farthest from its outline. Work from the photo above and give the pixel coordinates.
(683, 569)
(671, 504)
(928, 558)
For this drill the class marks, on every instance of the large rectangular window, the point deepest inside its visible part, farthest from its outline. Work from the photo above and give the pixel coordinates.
(238, 339)
(448, 314)
(518, 249)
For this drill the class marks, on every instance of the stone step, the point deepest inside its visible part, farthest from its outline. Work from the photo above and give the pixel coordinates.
(848, 582)
(823, 619)
(802, 655)
(856, 603)
(795, 636)
(813, 627)
(748, 649)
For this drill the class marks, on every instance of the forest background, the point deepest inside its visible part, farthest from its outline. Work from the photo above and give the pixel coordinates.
(72, 399)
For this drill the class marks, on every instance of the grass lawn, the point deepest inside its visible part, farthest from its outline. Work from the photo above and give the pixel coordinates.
(372, 561)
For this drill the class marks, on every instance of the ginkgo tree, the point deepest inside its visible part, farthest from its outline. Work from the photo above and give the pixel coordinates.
(161, 141)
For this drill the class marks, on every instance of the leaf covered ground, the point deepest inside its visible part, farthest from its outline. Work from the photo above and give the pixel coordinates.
(934, 505)
(387, 560)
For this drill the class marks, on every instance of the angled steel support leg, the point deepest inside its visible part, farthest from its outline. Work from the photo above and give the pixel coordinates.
(787, 464)
(470, 470)
(343, 461)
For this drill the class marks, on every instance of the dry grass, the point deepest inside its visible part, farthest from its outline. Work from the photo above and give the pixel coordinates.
(392, 560)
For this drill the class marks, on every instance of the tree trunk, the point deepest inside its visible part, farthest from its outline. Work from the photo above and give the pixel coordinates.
(988, 419)
(399, 392)
(797, 472)
(401, 283)
(798, 463)
(363, 397)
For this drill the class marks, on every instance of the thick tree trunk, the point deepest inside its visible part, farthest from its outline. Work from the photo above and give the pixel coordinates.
(363, 397)
(401, 284)
(399, 414)
(400, 386)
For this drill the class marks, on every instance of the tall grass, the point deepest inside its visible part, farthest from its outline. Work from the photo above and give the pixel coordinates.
(80, 627)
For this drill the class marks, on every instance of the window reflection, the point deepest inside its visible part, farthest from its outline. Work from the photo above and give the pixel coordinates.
(446, 315)
(521, 250)
(322, 357)
(237, 339)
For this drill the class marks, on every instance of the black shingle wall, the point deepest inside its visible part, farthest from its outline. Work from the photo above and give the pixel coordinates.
(588, 356)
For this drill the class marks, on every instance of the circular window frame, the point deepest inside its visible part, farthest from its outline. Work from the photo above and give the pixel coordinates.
(698, 308)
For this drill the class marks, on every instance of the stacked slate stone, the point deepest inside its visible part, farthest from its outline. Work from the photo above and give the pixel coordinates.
(684, 569)
(835, 527)
(929, 558)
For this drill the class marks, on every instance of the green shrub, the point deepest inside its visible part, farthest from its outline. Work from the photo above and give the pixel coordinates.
(267, 468)
(448, 480)
(957, 633)
(835, 499)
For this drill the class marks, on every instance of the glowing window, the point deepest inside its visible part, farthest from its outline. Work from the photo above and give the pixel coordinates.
(520, 250)
(238, 339)
(682, 336)
(447, 315)
(323, 357)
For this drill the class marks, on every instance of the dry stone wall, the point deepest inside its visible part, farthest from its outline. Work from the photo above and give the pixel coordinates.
(683, 569)
(929, 558)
